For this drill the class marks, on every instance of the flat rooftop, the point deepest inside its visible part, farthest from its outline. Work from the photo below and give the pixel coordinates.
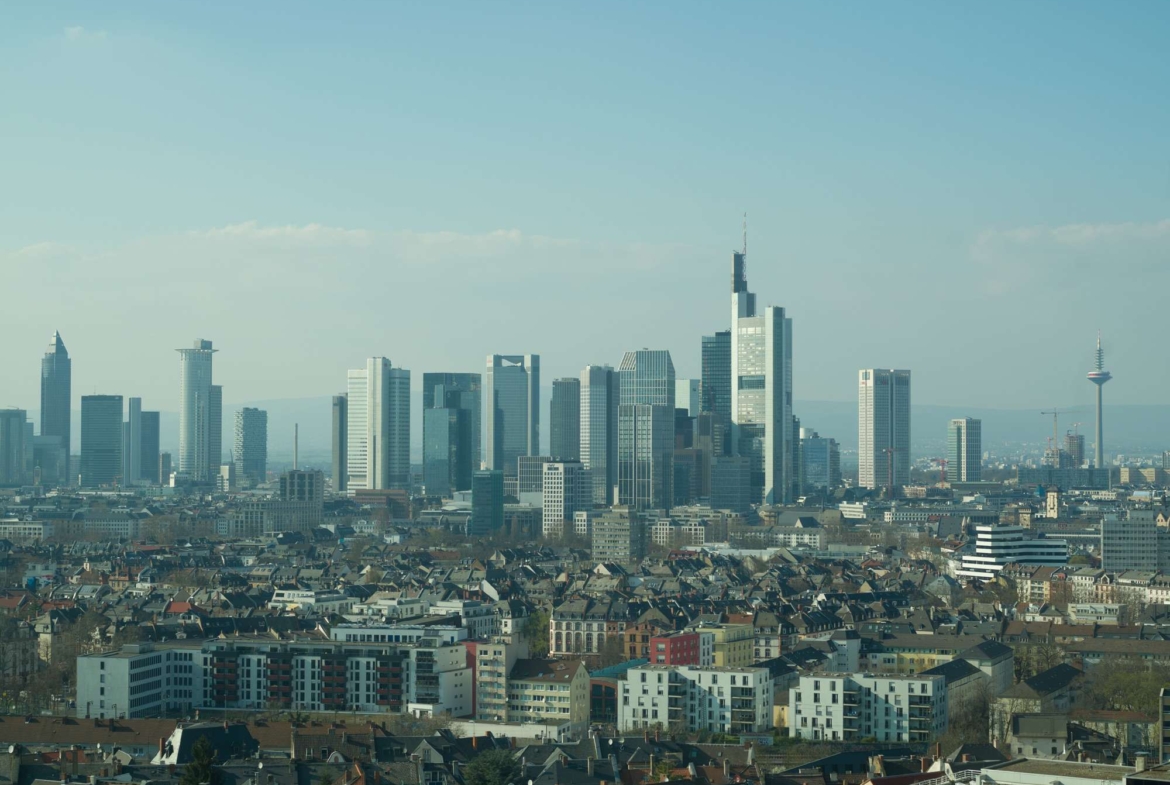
(1063, 768)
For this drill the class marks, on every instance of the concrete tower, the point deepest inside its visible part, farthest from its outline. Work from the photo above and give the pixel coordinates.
(1099, 376)
(198, 443)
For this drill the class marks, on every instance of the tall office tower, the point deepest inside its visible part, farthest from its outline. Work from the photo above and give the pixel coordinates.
(12, 446)
(565, 419)
(715, 384)
(164, 468)
(56, 376)
(378, 419)
(820, 461)
(487, 503)
(101, 440)
(567, 489)
(1099, 376)
(196, 454)
(132, 443)
(688, 394)
(883, 428)
(511, 410)
(340, 428)
(761, 390)
(964, 450)
(251, 451)
(148, 449)
(599, 426)
(646, 430)
(1074, 445)
(215, 431)
(452, 408)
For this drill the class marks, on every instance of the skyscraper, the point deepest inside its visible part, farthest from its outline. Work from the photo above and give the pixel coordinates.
(646, 430)
(687, 394)
(715, 385)
(761, 390)
(101, 440)
(340, 452)
(1074, 445)
(566, 489)
(251, 449)
(883, 428)
(487, 503)
(198, 457)
(599, 428)
(511, 410)
(452, 408)
(13, 435)
(148, 449)
(378, 419)
(565, 419)
(132, 443)
(820, 462)
(964, 450)
(1099, 376)
(215, 431)
(56, 375)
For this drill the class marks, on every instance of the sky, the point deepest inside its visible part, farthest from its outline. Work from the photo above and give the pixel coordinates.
(969, 191)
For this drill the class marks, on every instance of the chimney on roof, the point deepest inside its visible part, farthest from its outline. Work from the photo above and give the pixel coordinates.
(1139, 764)
(589, 766)
(161, 746)
(651, 776)
(727, 768)
(474, 743)
(922, 761)
(646, 736)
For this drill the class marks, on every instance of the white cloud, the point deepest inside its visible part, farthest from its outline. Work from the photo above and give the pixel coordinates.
(308, 234)
(79, 33)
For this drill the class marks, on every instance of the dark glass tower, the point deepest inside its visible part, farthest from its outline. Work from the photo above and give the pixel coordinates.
(715, 392)
(565, 420)
(56, 374)
(452, 405)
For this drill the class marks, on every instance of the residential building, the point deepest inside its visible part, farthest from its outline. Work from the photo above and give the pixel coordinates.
(340, 453)
(452, 414)
(675, 648)
(549, 691)
(599, 429)
(646, 430)
(566, 490)
(251, 452)
(883, 427)
(13, 462)
(762, 425)
(56, 385)
(198, 425)
(494, 659)
(511, 410)
(997, 546)
(717, 700)
(732, 644)
(820, 462)
(132, 443)
(149, 449)
(487, 503)
(101, 440)
(853, 706)
(964, 450)
(141, 680)
(565, 419)
(378, 427)
(619, 536)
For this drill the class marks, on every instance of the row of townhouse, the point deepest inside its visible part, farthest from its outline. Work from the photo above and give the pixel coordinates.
(1089, 585)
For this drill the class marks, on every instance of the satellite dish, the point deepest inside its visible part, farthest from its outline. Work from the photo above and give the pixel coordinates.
(260, 765)
(611, 742)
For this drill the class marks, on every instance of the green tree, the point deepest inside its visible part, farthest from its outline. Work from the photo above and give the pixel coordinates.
(536, 633)
(201, 770)
(494, 767)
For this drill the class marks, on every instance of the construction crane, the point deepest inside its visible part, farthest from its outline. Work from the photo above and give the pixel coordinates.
(942, 464)
(1055, 443)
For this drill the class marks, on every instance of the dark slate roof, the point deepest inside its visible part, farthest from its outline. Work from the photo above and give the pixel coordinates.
(952, 671)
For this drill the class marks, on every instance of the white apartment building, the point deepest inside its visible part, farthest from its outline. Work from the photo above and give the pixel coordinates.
(997, 546)
(395, 633)
(567, 489)
(725, 700)
(318, 600)
(549, 691)
(23, 531)
(853, 706)
(140, 680)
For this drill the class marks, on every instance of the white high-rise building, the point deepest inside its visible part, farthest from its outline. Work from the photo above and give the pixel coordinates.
(964, 450)
(599, 425)
(132, 443)
(567, 489)
(883, 427)
(511, 410)
(378, 427)
(998, 546)
(687, 395)
(198, 444)
(761, 391)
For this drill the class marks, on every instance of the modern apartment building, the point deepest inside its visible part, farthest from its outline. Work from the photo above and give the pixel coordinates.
(854, 706)
(511, 409)
(718, 700)
(378, 427)
(566, 490)
(619, 536)
(883, 427)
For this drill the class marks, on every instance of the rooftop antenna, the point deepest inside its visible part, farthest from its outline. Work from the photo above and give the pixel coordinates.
(745, 234)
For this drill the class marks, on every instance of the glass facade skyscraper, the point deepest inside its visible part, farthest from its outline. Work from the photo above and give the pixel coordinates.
(964, 450)
(511, 410)
(599, 429)
(715, 384)
(251, 450)
(56, 381)
(452, 406)
(646, 430)
(378, 427)
(200, 414)
(883, 428)
(101, 440)
(565, 420)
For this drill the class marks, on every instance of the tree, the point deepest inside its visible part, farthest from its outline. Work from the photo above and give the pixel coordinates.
(201, 770)
(536, 634)
(611, 653)
(494, 767)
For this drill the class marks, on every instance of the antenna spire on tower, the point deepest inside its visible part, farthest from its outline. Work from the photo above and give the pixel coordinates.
(745, 235)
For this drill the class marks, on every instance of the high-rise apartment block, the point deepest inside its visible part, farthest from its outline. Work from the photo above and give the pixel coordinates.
(452, 408)
(646, 430)
(565, 420)
(964, 450)
(717, 700)
(378, 427)
(56, 384)
(567, 489)
(101, 440)
(761, 391)
(200, 414)
(599, 430)
(511, 409)
(340, 435)
(251, 451)
(620, 535)
(853, 706)
(883, 427)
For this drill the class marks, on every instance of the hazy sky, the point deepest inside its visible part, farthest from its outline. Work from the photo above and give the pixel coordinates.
(966, 190)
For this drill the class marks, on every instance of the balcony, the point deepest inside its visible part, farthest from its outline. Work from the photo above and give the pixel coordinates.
(851, 698)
